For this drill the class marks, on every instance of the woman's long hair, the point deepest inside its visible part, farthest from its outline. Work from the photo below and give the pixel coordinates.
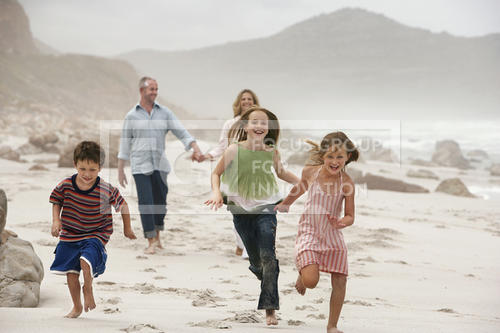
(237, 102)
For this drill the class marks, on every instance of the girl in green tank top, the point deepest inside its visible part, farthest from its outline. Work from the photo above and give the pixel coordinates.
(251, 187)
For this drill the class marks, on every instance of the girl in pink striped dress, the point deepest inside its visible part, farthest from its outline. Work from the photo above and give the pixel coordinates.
(320, 244)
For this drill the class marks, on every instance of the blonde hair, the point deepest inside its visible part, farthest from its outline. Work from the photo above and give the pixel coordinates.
(237, 131)
(334, 139)
(237, 102)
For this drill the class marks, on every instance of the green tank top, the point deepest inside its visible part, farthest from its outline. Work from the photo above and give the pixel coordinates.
(250, 176)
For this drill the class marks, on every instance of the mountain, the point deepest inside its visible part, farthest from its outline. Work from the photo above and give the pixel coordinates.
(38, 80)
(345, 65)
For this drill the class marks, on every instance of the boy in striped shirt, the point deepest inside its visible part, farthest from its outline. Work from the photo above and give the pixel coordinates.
(82, 219)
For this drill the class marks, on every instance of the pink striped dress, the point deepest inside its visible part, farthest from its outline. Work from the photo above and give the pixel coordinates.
(318, 242)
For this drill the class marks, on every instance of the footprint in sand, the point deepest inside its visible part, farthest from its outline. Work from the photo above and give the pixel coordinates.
(315, 316)
(401, 262)
(318, 301)
(305, 307)
(142, 328)
(295, 323)
(217, 324)
(46, 242)
(111, 310)
(149, 270)
(113, 300)
(141, 257)
(362, 303)
(446, 310)
(105, 283)
(367, 259)
(159, 277)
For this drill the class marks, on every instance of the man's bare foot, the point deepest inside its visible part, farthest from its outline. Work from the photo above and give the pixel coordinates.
(271, 317)
(88, 299)
(301, 289)
(151, 248)
(239, 251)
(158, 245)
(333, 330)
(75, 312)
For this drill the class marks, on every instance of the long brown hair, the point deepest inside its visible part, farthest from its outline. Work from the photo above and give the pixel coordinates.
(334, 139)
(237, 102)
(237, 131)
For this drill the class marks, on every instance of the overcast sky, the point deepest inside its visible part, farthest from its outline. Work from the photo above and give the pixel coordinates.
(110, 27)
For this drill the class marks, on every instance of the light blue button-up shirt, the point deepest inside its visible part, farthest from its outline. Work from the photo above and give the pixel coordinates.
(143, 138)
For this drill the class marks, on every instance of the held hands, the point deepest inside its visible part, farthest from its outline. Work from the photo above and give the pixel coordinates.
(215, 201)
(56, 227)
(282, 208)
(129, 233)
(336, 223)
(198, 157)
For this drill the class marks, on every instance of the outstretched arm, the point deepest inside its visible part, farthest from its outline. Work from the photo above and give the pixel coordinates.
(297, 190)
(215, 200)
(281, 172)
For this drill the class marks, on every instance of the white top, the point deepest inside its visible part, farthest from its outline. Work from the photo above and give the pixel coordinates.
(221, 146)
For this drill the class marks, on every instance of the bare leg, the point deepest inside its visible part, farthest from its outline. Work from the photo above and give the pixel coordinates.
(339, 282)
(74, 290)
(238, 251)
(158, 241)
(88, 295)
(151, 246)
(308, 278)
(271, 317)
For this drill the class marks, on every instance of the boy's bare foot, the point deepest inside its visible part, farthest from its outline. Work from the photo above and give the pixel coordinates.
(88, 299)
(301, 289)
(75, 312)
(239, 251)
(271, 317)
(333, 330)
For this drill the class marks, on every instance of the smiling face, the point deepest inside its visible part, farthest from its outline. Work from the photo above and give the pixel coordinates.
(246, 101)
(257, 126)
(335, 159)
(87, 172)
(149, 92)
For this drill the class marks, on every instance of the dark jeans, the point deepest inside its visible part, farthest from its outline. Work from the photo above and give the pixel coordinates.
(152, 192)
(258, 233)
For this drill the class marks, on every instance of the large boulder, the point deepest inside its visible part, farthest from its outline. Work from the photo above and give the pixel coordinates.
(7, 153)
(448, 154)
(21, 272)
(3, 210)
(421, 173)
(374, 150)
(495, 170)
(374, 182)
(477, 155)
(454, 186)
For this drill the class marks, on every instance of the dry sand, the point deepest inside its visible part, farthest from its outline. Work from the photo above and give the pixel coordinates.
(418, 263)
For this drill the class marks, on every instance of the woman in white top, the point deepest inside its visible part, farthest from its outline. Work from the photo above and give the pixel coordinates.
(245, 99)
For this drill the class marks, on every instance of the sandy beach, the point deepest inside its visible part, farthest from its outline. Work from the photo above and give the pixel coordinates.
(418, 262)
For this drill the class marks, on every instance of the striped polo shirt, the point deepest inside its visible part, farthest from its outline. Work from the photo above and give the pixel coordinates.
(86, 214)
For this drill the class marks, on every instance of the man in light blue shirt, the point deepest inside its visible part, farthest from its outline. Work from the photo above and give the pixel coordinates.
(143, 144)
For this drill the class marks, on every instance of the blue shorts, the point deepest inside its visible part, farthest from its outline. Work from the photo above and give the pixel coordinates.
(68, 255)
